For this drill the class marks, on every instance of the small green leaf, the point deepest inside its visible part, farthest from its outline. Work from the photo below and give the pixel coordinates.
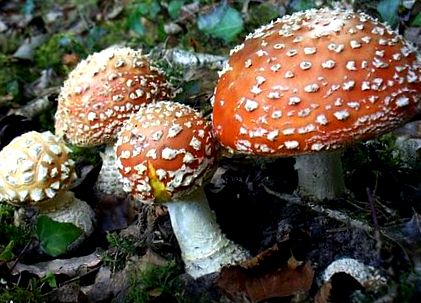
(174, 8)
(263, 13)
(388, 10)
(50, 279)
(302, 5)
(28, 7)
(189, 89)
(417, 20)
(7, 253)
(222, 22)
(134, 23)
(148, 8)
(55, 236)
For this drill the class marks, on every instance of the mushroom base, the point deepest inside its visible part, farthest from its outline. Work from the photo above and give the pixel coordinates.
(204, 248)
(76, 211)
(320, 176)
(108, 181)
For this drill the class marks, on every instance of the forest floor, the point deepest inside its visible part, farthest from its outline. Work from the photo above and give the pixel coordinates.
(133, 255)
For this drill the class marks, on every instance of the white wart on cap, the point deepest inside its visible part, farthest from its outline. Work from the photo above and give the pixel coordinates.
(34, 167)
(101, 93)
(315, 80)
(164, 151)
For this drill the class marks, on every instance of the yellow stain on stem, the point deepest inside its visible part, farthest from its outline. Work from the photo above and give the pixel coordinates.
(158, 188)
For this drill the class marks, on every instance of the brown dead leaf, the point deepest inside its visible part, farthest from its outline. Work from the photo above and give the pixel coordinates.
(68, 293)
(338, 289)
(155, 293)
(409, 130)
(70, 60)
(323, 294)
(114, 213)
(152, 258)
(108, 285)
(262, 277)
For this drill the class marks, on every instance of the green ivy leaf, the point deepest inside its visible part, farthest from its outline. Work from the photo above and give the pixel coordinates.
(7, 253)
(134, 23)
(388, 10)
(174, 8)
(301, 5)
(149, 8)
(55, 236)
(222, 22)
(50, 279)
(417, 20)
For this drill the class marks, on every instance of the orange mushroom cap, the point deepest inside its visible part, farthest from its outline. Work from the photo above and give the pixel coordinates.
(101, 93)
(315, 80)
(164, 151)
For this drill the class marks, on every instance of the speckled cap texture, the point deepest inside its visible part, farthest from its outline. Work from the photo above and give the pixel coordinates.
(315, 80)
(103, 91)
(34, 167)
(164, 151)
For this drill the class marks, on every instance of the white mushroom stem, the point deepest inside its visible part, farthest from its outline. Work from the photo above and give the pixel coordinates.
(66, 208)
(109, 180)
(320, 175)
(204, 248)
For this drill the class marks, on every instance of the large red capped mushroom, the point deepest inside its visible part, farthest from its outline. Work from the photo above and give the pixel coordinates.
(164, 152)
(313, 82)
(100, 94)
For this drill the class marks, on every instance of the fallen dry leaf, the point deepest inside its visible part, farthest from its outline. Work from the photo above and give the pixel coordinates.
(70, 267)
(323, 295)
(68, 293)
(108, 285)
(262, 278)
(338, 289)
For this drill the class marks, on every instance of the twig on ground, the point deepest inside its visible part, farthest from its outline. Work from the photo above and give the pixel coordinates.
(333, 214)
(189, 59)
(36, 106)
(374, 217)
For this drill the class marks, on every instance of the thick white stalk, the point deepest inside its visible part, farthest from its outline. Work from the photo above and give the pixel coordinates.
(204, 248)
(108, 181)
(66, 208)
(320, 175)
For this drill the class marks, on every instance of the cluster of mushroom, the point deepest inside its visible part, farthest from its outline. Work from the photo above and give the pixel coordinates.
(308, 83)
(99, 95)
(164, 151)
(36, 171)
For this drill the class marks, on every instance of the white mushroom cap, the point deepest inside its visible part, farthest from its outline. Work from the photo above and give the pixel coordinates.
(164, 151)
(103, 91)
(34, 167)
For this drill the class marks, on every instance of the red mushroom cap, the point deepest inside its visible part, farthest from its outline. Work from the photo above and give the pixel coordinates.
(164, 151)
(101, 93)
(315, 80)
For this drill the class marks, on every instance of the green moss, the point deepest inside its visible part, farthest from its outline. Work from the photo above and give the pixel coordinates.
(12, 77)
(106, 34)
(121, 248)
(50, 54)
(261, 14)
(30, 294)
(13, 237)
(157, 283)
(378, 164)
(407, 287)
(85, 155)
